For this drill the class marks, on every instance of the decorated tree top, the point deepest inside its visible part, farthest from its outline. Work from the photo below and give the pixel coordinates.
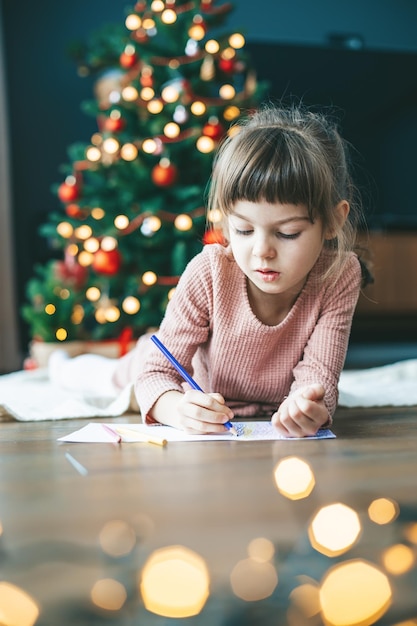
(132, 198)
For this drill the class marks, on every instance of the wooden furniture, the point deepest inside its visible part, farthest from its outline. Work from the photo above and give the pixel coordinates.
(213, 498)
(394, 265)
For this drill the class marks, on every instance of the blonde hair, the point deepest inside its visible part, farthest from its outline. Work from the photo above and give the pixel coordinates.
(290, 156)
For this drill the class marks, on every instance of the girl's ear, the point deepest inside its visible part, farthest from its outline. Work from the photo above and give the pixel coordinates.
(341, 211)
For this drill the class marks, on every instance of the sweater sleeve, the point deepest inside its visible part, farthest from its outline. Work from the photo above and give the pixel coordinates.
(325, 352)
(185, 326)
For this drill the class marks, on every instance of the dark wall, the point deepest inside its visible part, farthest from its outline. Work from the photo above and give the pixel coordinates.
(373, 88)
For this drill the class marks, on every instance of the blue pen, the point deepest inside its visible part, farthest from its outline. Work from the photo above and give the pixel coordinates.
(184, 374)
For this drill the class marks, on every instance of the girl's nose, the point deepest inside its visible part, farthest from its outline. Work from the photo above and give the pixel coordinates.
(263, 248)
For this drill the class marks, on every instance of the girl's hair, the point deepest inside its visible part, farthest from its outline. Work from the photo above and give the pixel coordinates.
(291, 156)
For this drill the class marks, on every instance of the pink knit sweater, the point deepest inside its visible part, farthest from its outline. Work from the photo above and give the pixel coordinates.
(210, 328)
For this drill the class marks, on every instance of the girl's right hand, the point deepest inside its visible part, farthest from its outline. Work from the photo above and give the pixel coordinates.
(193, 411)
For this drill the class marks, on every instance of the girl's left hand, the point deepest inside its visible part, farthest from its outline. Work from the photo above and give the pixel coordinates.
(302, 413)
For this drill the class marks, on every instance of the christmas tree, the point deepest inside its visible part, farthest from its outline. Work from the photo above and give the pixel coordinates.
(132, 198)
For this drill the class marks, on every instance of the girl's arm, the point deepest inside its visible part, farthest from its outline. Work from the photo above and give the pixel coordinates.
(313, 395)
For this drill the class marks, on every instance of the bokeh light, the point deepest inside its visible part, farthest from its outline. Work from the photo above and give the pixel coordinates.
(354, 593)
(334, 529)
(175, 582)
(294, 478)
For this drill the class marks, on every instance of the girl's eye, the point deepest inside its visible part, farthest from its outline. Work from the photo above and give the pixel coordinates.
(287, 236)
(243, 232)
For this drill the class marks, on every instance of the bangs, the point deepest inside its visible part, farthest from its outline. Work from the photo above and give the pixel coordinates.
(274, 166)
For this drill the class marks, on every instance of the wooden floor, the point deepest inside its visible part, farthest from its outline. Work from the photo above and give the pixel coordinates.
(211, 498)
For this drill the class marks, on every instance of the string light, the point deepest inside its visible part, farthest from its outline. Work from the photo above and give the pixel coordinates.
(130, 94)
(170, 94)
(61, 334)
(64, 229)
(227, 92)
(205, 144)
(149, 146)
(237, 41)
(91, 245)
(111, 145)
(93, 154)
(108, 243)
(93, 294)
(149, 278)
(50, 309)
(183, 222)
(130, 305)
(198, 108)
(147, 93)
(212, 46)
(83, 232)
(155, 106)
(85, 258)
(97, 213)
(231, 113)
(128, 152)
(121, 222)
(171, 130)
(133, 22)
(150, 225)
(78, 314)
(169, 16)
(157, 6)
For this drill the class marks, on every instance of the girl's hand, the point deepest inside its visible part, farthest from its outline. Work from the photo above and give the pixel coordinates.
(302, 413)
(193, 411)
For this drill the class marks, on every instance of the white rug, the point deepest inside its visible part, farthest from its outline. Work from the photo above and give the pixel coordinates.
(31, 396)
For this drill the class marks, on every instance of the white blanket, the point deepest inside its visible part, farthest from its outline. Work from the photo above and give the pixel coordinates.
(31, 396)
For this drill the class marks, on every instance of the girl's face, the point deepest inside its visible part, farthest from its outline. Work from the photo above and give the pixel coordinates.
(275, 245)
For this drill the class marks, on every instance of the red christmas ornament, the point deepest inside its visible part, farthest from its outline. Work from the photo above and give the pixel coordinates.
(227, 65)
(68, 193)
(164, 175)
(107, 262)
(214, 235)
(127, 61)
(73, 210)
(214, 130)
(113, 125)
(69, 271)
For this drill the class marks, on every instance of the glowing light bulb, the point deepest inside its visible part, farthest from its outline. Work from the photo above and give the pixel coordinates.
(83, 232)
(205, 144)
(128, 152)
(227, 92)
(237, 41)
(93, 294)
(108, 243)
(64, 229)
(214, 216)
(93, 154)
(133, 22)
(111, 145)
(97, 213)
(183, 222)
(121, 222)
(50, 309)
(130, 94)
(231, 113)
(170, 94)
(169, 16)
(171, 130)
(108, 594)
(147, 93)
(149, 278)
(149, 146)
(155, 106)
(61, 334)
(130, 305)
(85, 258)
(91, 245)
(212, 46)
(198, 108)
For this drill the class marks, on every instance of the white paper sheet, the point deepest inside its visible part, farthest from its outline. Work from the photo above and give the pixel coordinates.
(95, 432)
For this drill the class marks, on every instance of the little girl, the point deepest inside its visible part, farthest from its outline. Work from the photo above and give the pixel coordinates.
(262, 323)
